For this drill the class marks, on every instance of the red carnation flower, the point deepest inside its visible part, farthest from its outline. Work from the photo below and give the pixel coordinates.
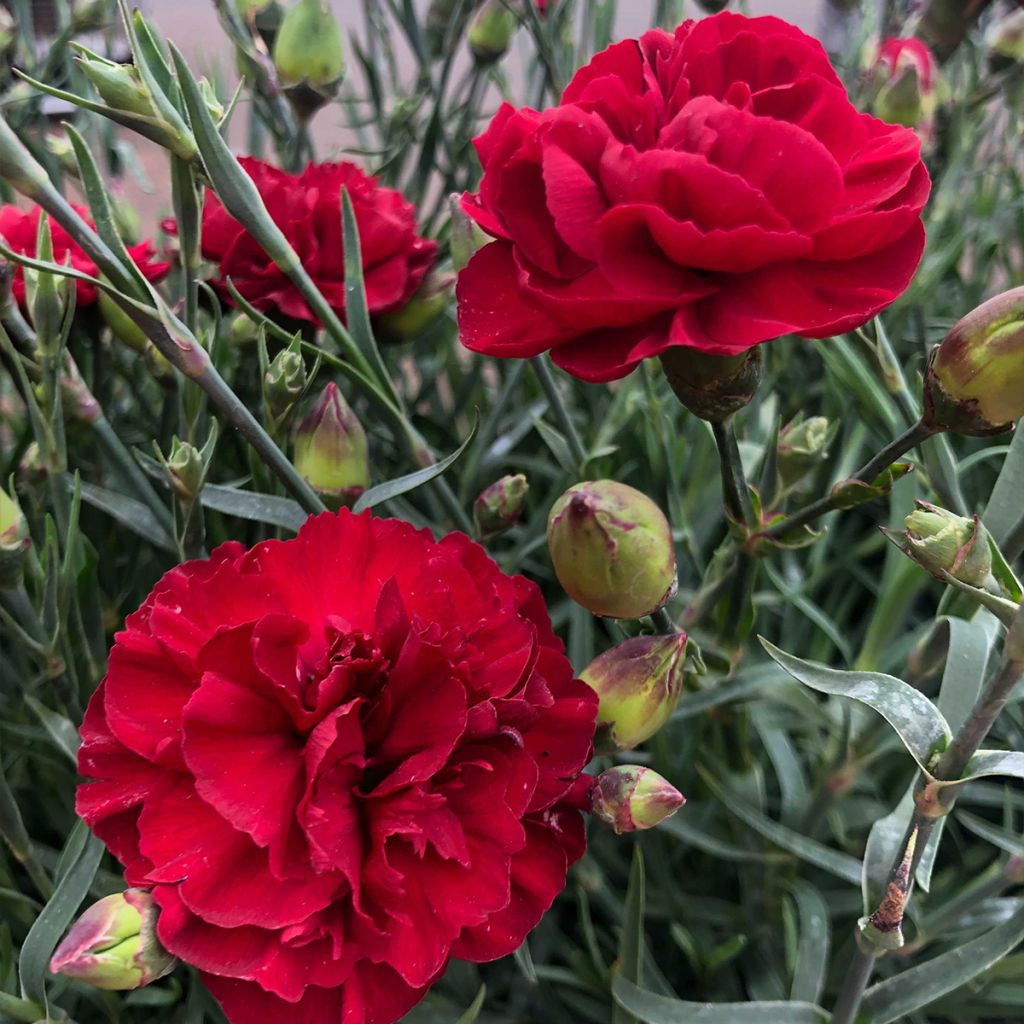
(20, 228)
(337, 761)
(307, 209)
(712, 189)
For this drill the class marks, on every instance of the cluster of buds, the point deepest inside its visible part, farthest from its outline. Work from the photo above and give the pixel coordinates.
(639, 683)
(612, 549)
(331, 450)
(114, 946)
(905, 82)
(498, 507)
(309, 56)
(14, 541)
(630, 798)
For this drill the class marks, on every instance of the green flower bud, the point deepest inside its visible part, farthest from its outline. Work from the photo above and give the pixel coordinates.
(331, 451)
(1006, 39)
(243, 329)
(713, 387)
(419, 314)
(113, 945)
(284, 382)
(309, 56)
(120, 85)
(975, 378)
(803, 446)
(121, 325)
(630, 798)
(498, 507)
(14, 541)
(639, 683)
(941, 541)
(612, 549)
(185, 470)
(491, 31)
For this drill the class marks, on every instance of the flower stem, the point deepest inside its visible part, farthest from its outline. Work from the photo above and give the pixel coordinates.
(735, 491)
(879, 463)
(854, 985)
(561, 411)
(20, 1009)
(664, 622)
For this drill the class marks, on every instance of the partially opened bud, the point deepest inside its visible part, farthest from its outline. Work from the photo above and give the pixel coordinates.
(185, 470)
(975, 378)
(639, 683)
(803, 446)
(284, 381)
(941, 541)
(14, 541)
(309, 56)
(711, 386)
(113, 945)
(612, 549)
(907, 73)
(331, 451)
(498, 507)
(491, 31)
(630, 798)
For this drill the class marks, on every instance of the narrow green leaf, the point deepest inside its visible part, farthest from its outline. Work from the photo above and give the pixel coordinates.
(653, 1009)
(882, 847)
(1009, 842)
(403, 484)
(130, 513)
(906, 993)
(970, 642)
(556, 442)
(470, 1016)
(994, 762)
(59, 728)
(51, 924)
(1003, 511)
(918, 722)
(631, 942)
(684, 829)
(253, 505)
(813, 949)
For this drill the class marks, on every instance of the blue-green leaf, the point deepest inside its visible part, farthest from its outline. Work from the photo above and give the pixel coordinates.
(631, 942)
(470, 1016)
(813, 948)
(253, 505)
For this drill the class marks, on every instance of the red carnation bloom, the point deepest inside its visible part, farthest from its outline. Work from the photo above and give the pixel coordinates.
(307, 209)
(20, 228)
(712, 189)
(337, 761)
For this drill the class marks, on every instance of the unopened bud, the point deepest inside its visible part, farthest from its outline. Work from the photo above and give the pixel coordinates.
(491, 31)
(45, 293)
(941, 541)
(284, 382)
(309, 56)
(712, 6)
(908, 91)
(121, 325)
(120, 85)
(612, 549)
(638, 683)
(113, 945)
(14, 541)
(185, 470)
(243, 329)
(630, 798)
(975, 378)
(803, 446)
(498, 507)
(1006, 38)
(331, 451)
(419, 314)
(711, 386)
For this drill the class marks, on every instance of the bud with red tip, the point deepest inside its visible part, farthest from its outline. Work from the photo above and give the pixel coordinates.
(639, 683)
(975, 378)
(612, 549)
(906, 75)
(630, 798)
(331, 451)
(498, 507)
(113, 945)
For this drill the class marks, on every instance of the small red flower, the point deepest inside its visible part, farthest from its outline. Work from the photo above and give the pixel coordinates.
(337, 761)
(307, 209)
(711, 189)
(20, 228)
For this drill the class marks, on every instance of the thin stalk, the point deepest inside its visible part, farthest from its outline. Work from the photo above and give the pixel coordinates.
(854, 985)
(188, 214)
(735, 491)
(879, 463)
(559, 408)
(663, 622)
(20, 1009)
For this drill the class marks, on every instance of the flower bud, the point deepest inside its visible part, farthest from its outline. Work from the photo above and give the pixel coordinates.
(243, 329)
(711, 386)
(331, 451)
(185, 470)
(639, 683)
(612, 549)
(631, 798)
(907, 73)
(712, 6)
(284, 382)
(121, 325)
(803, 446)
(941, 541)
(975, 378)
(309, 56)
(14, 541)
(491, 31)
(498, 507)
(113, 945)
(419, 314)
(1006, 39)
(120, 85)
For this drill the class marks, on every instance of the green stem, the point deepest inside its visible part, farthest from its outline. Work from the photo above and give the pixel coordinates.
(858, 975)
(878, 464)
(188, 214)
(21, 1009)
(557, 405)
(735, 491)
(663, 622)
